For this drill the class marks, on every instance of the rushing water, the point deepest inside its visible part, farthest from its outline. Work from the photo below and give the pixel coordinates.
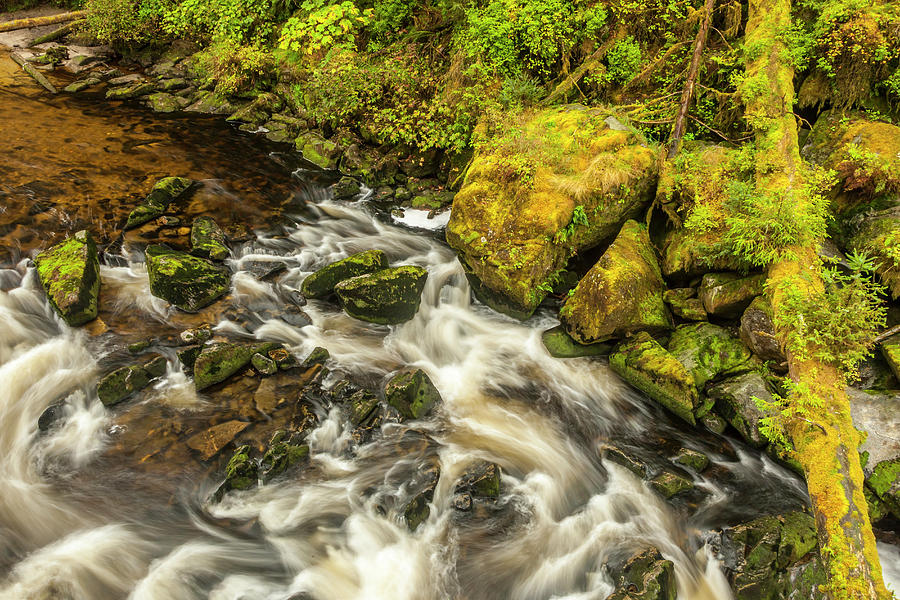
(99, 507)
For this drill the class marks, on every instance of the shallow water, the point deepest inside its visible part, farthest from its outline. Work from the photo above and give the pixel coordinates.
(112, 503)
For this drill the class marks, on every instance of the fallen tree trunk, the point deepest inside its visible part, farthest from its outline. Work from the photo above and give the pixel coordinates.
(825, 441)
(591, 62)
(55, 34)
(41, 21)
(37, 75)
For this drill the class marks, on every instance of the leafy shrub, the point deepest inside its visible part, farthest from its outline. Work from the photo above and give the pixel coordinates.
(125, 22)
(323, 25)
(234, 68)
(239, 21)
(623, 60)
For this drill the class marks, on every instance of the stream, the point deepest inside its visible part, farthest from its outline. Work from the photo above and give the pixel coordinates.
(109, 503)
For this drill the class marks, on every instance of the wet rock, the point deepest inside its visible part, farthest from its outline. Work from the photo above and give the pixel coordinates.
(82, 84)
(709, 352)
(210, 442)
(263, 364)
(875, 413)
(258, 111)
(692, 459)
(646, 576)
(187, 357)
(125, 79)
(322, 282)
(265, 269)
(626, 459)
(621, 294)
(890, 349)
(163, 102)
(417, 509)
(284, 359)
(758, 331)
(218, 362)
(346, 188)
(432, 199)
(714, 422)
(560, 344)
(280, 456)
(241, 473)
(668, 484)
(685, 305)
(129, 92)
(294, 317)
(480, 480)
(317, 150)
(727, 294)
(164, 192)
(412, 393)
(187, 281)
(317, 357)
(196, 335)
(170, 85)
(734, 400)
(138, 347)
(156, 366)
(51, 415)
(125, 381)
(208, 239)
(211, 104)
(685, 255)
(70, 275)
(363, 405)
(386, 297)
(462, 502)
(649, 367)
(513, 232)
(422, 163)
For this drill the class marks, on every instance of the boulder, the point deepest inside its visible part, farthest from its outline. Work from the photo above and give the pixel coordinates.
(709, 352)
(187, 281)
(649, 367)
(125, 381)
(412, 393)
(164, 192)
(386, 297)
(890, 349)
(726, 295)
(876, 234)
(692, 459)
(70, 275)
(645, 576)
(163, 102)
(280, 456)
(684, 304)
(480, 480)
(211, 103)
(875, 414)
(317, 150)
(561, 345)
(668, 484)
(758, 331)
(686, 255)
(346, 188)
(423, 484)
(210, 442)
(218, 362)
(321, 283)
(208, 239)
(621, 294)
(257, 112)
(734, 400)
(241, 473)
(263, 364)
(554, 182)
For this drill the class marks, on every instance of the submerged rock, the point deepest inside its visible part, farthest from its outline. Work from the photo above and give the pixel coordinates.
(210, 442)
(322, 282)
(218, 362)
(164, 192)
(735, 401)
(520, 215)
(412, 393)
(208, 239)
(187, 281)
(728, 294)
(709, 352)
(70, 275)
(389, 296)
(560, 344)
(621, 294)
(649, 367)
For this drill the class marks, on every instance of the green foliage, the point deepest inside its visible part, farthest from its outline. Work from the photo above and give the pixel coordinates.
(234, 68)
(579, 217)
(125, 22)
(237, 21)
(624, 60)
(323, 25)
(388, 16)
(797, 402)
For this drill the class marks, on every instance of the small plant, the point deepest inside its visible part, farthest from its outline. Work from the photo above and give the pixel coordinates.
(579, 217)
(323, 26)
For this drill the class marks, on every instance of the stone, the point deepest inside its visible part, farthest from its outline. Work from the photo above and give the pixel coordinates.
(626, 459)
(82, 84)
(684, 305)
(734, 400)
(258, 111)
(211, 104)
(561, 345)
(417, 510)
(126, 381)
(156, 366)
(890, 349)
(726, 295)
(652, 369)
(317, 150)
(317, 357)
(210, 442)
(363, 405)
(621, 294)
(169, 85)
(669, 484)
(196, 335)
(321, 283)
(51, 416)
(208, 239)
(70, 275)
(346, 188)
(125, 79)
(646, 576)
(519, 217)
(875, 414)
(480, 480)
(218, 362)
(386, 297)
(709, 352)
(685, 255)
(129, 92)
(163, 102)
(186, 281)
(420, 163)
(412, 393)
(280, 456)
(714, 422)
(692, 459)
(263, 364)
(187, 357)
(241, 473)
(758, 331)
(164, 192)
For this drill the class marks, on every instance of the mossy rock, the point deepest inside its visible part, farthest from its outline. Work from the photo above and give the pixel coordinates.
(187, 357)
(550, 183)
(709, 352)
(386, 297)
(686, 254)
(758, 331)
(321, 283)
(163, 102)
(280, 456)
(646, 576)
(363, 408)
(621, 294)
(885, 482)
(890, 349)
(218, 362)
(129, 92)
(412, 393)
(70, 275)
(187, 281)
(208, 239)
(241, 473)
(122, 383)
(626, 459)
(685, 304)
(878, 236)
(669, 484)
(317, 150)
(257, 112)
(480, 480)
(211, 103)
(263, 364)
(734, 400)
(649, 367)
(560, 344)
(423, 484)
(726, 295)
(164, 192)
(692, 459)
(317, 357)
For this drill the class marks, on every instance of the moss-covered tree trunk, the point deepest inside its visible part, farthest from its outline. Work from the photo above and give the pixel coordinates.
(826, 443)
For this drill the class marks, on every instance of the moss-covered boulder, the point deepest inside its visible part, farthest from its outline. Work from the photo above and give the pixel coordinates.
(550, 183)
(686, 254)
(389, 296)
(70, 275)
(728, 294)
(187, 281)
(321, 283)
(621, 294)
(685, 304)
(126, 381)
(480, 480)
(318, 150)
(645, 576)
(218, 362)
(560, 344)
(709, 352)
(669, 484)
(281, 455)
(758, 331)
(164, 192)
(735, 401)
(241, 473)
(412, 393)
(649, 367)
(692, 459)
(208, 239)
(878, 235)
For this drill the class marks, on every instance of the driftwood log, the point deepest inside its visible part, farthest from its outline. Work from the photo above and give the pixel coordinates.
(37, 75)
(41, 21)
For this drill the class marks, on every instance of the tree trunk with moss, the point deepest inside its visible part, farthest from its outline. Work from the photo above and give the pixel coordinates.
(825, 442)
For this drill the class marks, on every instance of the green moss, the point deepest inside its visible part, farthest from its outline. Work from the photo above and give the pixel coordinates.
(208, 240)
(727, 295)
(386, 297)
(188, 282)
(241, 472)
(885, 482)
(692, 459)
(412, 393)
(561, 345)
(321, 283)
(70, 275)
(709, 352)
(122, 383)
(164, 192)
(281, 456)
(668, 484)
(218, 362)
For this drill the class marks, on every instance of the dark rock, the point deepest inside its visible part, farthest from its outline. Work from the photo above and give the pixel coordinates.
(241, 473)
(284, 359)
(187, 281)
(218, 362)
(417, 509)
(70, 275)
(125, 381)
(322, 282)
(50, 416)
(646, 576)
(280, 456)
(263, 364)
(480, 480)
(164, 192)
(346, 188)
(187, 357)
(412, 393)
(692, 459)
(890, 349)
(626, 459)
(727, 294)
(317, 357)
(734, 399)
(685, 305)
(758, 331)
(669, 484)
(386, 297)
(208, 239)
